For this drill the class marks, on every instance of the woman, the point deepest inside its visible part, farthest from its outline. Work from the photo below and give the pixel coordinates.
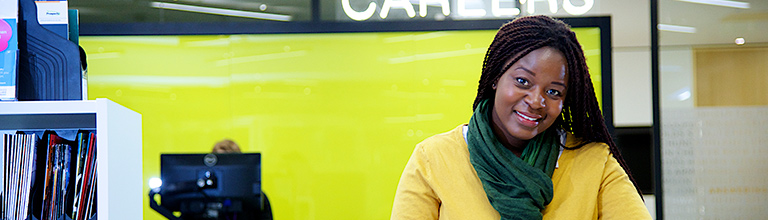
(536, 146)
(226, 146)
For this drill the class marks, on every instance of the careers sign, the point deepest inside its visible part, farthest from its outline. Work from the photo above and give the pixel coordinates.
(361, 10)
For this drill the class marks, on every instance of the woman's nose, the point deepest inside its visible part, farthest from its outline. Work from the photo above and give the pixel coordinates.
(535, 100)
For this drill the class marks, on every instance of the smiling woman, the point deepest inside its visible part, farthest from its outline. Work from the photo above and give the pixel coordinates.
(536, 146)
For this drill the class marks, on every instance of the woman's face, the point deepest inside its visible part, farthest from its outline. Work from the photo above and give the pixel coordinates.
(529, 96)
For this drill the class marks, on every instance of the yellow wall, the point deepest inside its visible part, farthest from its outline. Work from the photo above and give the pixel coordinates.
(335, 116)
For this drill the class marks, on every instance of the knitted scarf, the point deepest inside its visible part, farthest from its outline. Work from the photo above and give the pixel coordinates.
(517, 187)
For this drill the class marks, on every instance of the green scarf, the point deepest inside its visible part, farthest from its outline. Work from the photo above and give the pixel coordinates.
(517, 187)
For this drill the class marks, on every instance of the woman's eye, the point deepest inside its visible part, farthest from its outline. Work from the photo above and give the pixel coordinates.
(554, 92)
(522, 81)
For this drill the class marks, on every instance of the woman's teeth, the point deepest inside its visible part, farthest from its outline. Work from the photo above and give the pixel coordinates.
(526, 117)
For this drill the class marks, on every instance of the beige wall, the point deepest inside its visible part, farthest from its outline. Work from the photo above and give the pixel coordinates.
(731, 76)
(631, 36)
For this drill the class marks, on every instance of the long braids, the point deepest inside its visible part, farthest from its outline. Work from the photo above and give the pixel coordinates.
(581, 113)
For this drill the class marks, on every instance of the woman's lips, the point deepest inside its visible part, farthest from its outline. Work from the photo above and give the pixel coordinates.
(529, 120)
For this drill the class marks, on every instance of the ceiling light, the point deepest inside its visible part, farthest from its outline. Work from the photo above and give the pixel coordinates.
(677, 28)
(740, 41)
(155, 182)
(682, 94)
(221, 11)
(724, 3)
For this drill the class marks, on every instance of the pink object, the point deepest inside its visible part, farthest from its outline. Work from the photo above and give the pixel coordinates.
(5, 35)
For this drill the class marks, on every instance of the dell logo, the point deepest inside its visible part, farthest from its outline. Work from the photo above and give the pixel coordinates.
(210, 160)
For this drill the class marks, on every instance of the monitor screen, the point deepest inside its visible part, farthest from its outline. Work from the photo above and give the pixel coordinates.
(197, 184)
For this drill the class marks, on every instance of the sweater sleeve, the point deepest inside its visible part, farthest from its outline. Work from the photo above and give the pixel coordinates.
(618, 198)
(415, 198)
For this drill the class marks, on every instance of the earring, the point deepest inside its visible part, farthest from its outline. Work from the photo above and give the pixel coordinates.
(493, 86)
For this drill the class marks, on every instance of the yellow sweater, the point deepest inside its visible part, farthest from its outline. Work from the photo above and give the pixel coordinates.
(439, 182)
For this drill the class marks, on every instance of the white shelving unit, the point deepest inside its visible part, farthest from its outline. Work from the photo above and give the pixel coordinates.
(118, 142)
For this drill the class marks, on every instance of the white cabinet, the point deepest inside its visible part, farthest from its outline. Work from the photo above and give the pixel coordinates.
(118, 145)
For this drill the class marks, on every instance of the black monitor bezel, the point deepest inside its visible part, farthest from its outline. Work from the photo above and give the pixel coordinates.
(226, 169)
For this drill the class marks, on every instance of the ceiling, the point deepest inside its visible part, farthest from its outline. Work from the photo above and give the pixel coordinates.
(129, 11)
(713, 25)
(710, 24)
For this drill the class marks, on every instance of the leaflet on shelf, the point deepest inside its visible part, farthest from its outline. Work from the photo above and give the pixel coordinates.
(48, 176)
(9, 49)
(17, 156)
(54, 16)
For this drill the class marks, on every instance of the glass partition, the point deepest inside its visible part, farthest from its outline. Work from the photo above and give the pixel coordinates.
(205, 17)
(713, 94)
(335, 115)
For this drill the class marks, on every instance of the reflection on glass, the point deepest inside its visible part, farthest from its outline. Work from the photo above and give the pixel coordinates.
(162, 11)
(335, 116)
(217, 11)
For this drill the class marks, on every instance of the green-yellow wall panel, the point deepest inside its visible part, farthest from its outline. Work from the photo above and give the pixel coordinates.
(335, 116)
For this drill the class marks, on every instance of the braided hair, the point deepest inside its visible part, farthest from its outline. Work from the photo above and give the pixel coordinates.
(581, 113)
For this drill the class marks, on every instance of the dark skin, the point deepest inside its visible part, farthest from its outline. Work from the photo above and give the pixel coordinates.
(529, 97)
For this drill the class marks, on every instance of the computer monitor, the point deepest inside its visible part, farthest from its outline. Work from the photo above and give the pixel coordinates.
(210, 186)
